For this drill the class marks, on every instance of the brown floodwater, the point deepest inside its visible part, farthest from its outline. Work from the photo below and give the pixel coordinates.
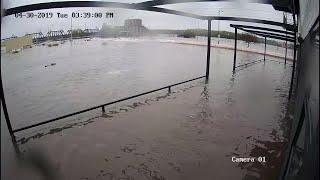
(192, 133)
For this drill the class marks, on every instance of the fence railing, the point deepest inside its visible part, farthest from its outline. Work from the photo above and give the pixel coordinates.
(102, 106)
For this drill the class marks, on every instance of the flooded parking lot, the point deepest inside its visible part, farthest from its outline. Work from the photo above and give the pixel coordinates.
(88, 73)
(192, 133)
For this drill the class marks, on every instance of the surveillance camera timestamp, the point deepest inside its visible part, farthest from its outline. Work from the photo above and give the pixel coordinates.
(48, 15)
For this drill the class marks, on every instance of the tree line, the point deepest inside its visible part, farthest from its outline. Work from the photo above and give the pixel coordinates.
(115, 31)
(247, 37)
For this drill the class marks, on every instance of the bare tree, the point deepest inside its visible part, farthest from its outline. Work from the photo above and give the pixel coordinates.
(248, 38)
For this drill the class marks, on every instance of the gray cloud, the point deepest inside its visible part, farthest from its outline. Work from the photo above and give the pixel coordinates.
(153, 20)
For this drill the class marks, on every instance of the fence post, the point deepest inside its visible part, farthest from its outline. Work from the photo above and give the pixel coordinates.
(103, 109)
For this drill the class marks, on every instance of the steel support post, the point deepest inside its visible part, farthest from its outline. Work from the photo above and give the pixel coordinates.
(294, 56)
(285, 54)
(208, 50)
(265, 49)
(235, 49)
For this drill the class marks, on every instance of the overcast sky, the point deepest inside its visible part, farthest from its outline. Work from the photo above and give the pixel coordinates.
(153, 20)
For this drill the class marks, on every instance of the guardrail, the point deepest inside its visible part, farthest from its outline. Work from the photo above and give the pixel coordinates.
(102, 106)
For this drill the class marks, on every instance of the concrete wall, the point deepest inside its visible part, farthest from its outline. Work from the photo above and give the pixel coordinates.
(303, 152)
(309, 12)
(17, 43)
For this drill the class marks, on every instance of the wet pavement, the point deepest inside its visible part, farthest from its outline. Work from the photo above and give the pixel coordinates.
(192, 133)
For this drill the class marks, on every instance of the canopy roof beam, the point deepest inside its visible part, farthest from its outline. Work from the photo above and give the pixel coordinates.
(265, 34)
(165, 2)
(268, 33)
(263, 28)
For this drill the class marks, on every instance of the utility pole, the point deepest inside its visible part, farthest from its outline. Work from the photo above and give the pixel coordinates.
(48, 33)
(71, 28)
(71, 22)
(219, 27)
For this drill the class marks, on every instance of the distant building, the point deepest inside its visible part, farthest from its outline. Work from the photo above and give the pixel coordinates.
(134, 27)
(131, 28)
(15, 43)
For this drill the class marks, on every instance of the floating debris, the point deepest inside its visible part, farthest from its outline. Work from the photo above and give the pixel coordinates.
(27, 46)
(52, 64)
(53, 44)
(14, 51)
(124, 109)
(106, 116)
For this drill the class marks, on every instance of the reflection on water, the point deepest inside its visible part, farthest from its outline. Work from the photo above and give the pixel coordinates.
(205, 113)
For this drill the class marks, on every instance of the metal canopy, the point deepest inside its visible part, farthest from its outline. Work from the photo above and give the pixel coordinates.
(260, 21)
(148, 6)
(263, 28)
(266, 32)
(270, 35)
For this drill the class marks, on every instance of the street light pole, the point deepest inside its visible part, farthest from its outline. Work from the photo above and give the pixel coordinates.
(71, 28)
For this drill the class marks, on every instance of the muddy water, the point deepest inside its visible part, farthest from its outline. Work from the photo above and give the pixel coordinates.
(43, 83)
(191, 133)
